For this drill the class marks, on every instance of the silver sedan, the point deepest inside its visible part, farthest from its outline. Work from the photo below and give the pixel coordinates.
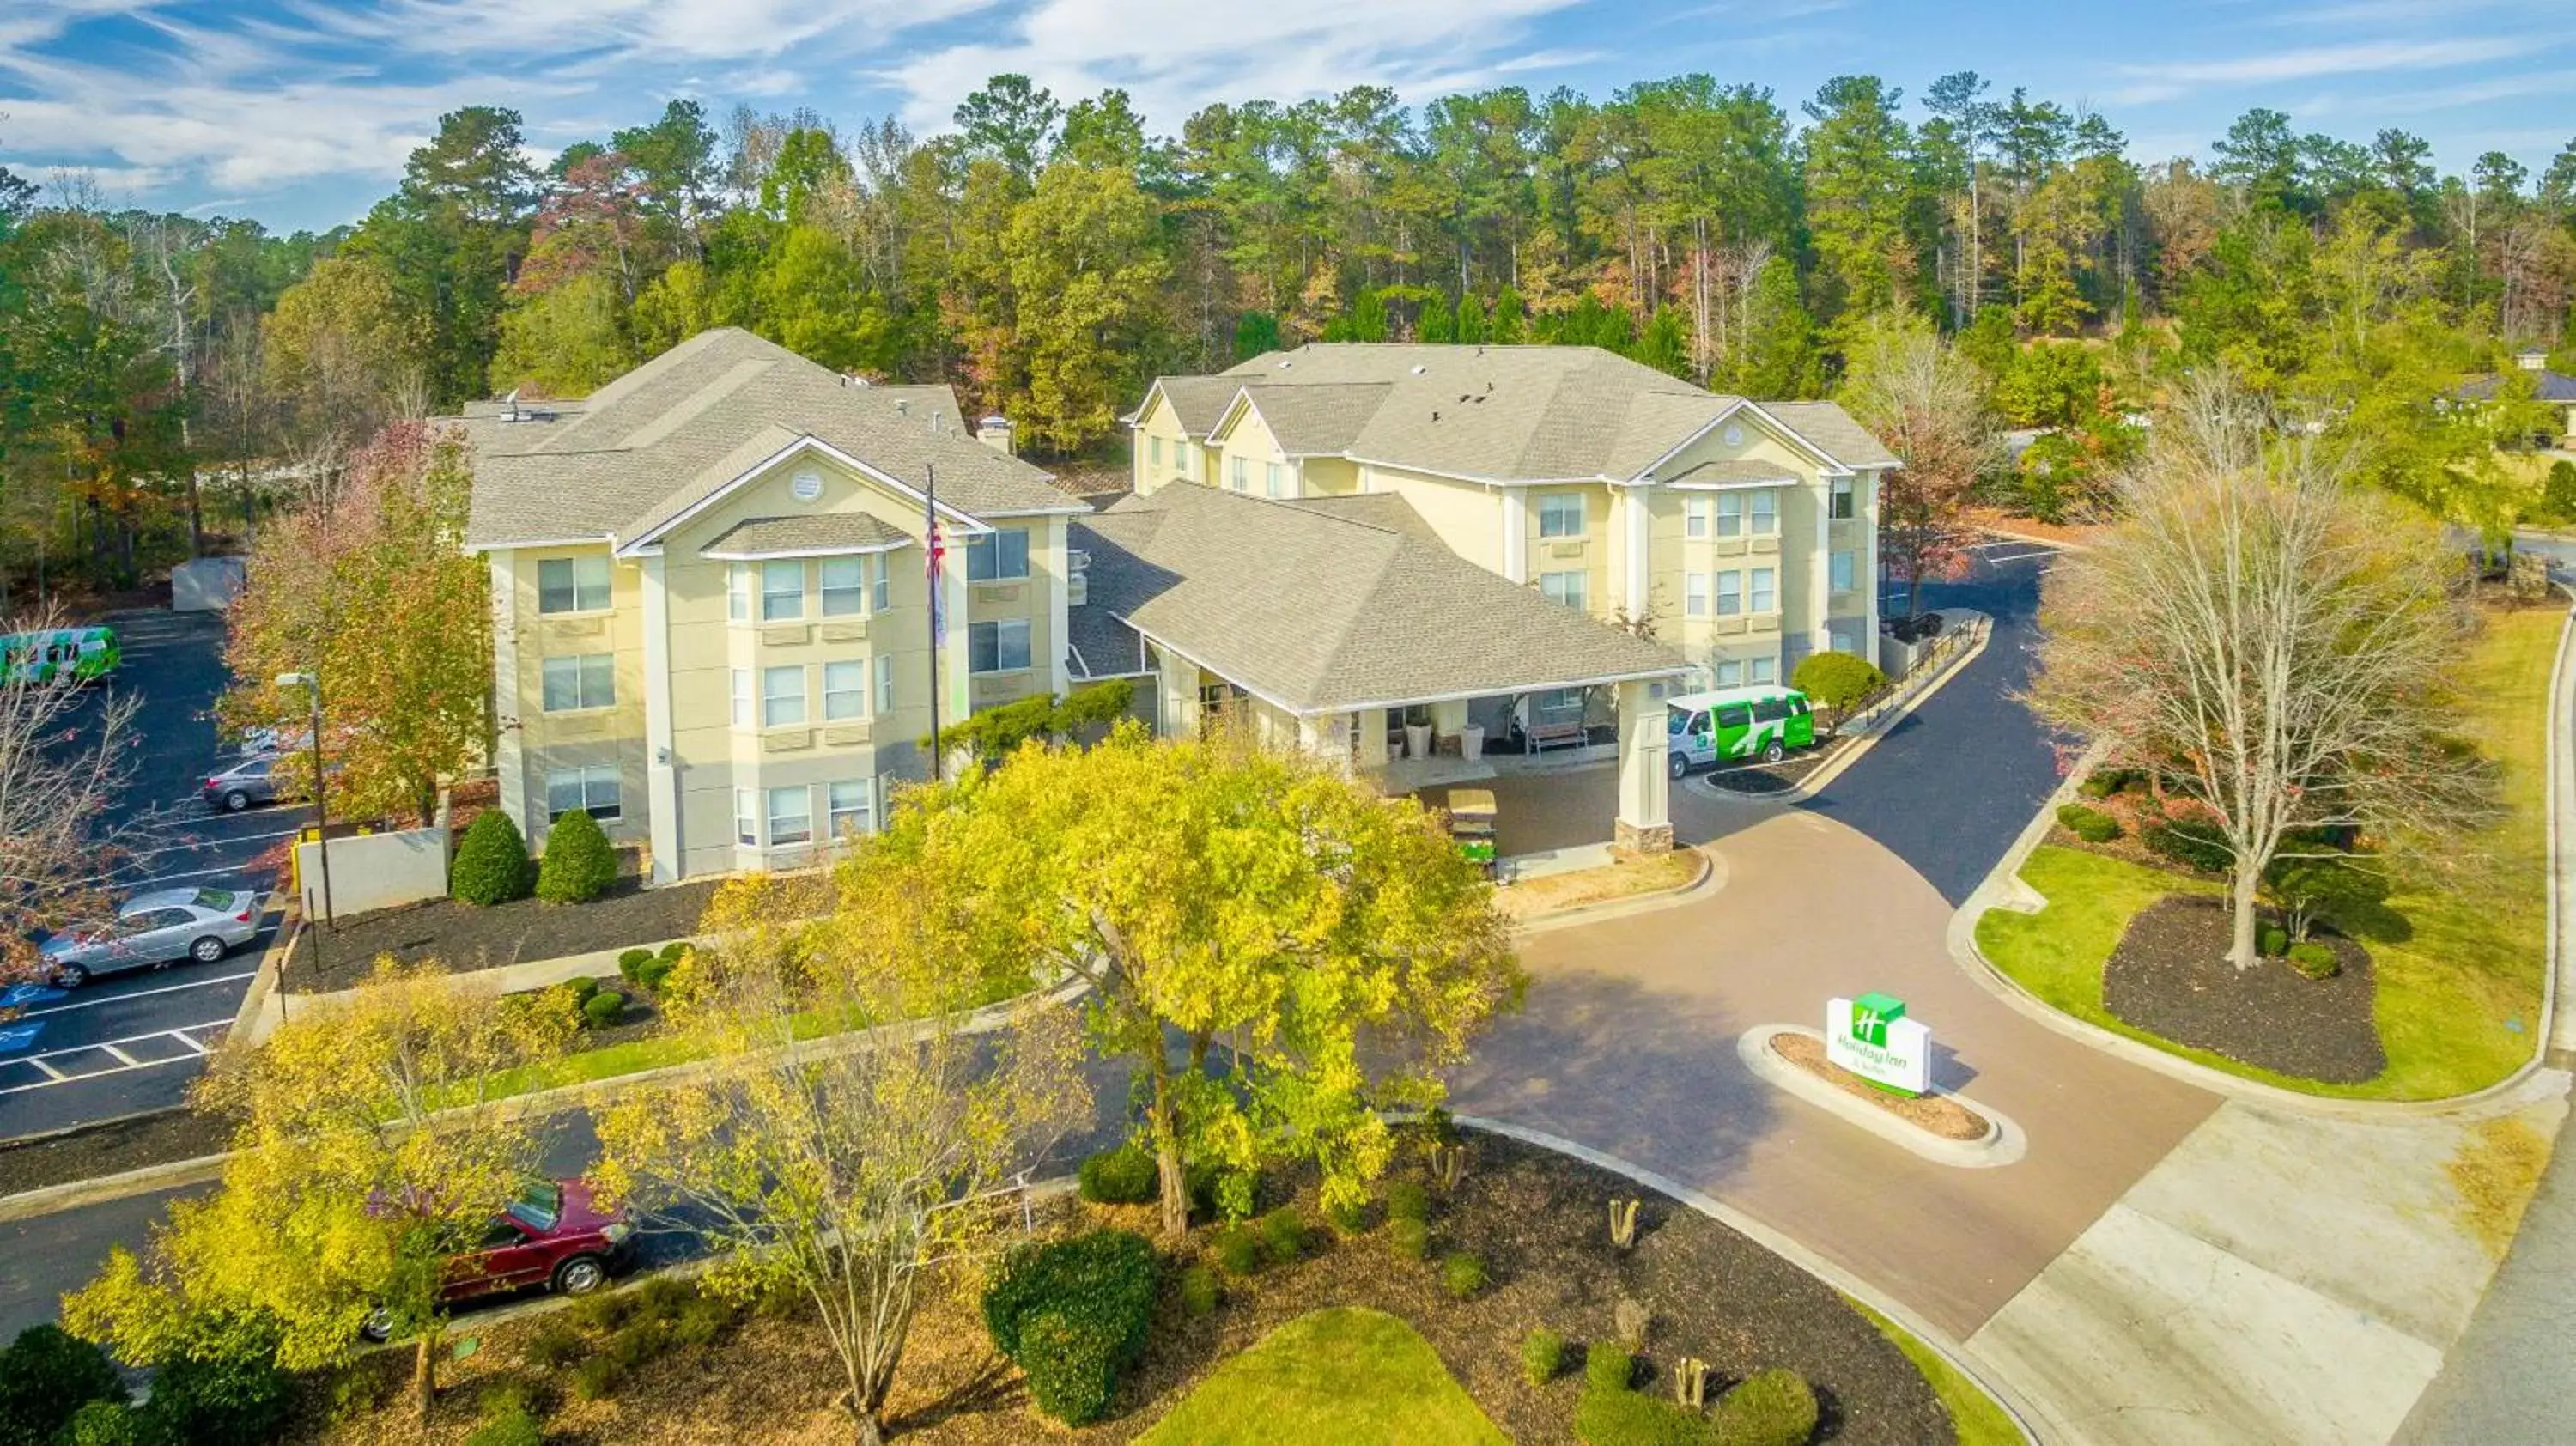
(153, 929)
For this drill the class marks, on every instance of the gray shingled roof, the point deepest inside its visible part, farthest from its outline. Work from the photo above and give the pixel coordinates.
(2552, 387)
(1198, 402)
(1740, 472)
(1385, 510)
(824, 532)
(1316, 421)
(672, 432)
(1832, 431)
(1321, 612)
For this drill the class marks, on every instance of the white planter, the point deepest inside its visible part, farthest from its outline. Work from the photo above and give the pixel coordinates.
(1471, 741)
(1417, 740)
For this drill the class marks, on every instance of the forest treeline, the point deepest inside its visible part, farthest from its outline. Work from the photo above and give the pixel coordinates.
(158, 372)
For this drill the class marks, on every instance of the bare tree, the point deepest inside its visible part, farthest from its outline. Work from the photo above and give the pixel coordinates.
(843, 1170)
(64, 752)
(2277, 643)
(1927, 403)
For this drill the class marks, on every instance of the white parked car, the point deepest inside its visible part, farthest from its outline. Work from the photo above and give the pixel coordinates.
(151, 929)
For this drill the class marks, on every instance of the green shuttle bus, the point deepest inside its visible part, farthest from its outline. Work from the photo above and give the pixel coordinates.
(59, 655)
(1736, 723)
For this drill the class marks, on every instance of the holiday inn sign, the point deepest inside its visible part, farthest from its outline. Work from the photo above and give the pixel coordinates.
(1871, 1037)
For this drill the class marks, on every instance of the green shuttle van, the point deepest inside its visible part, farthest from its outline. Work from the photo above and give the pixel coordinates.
(59, 655)
(1729, 724)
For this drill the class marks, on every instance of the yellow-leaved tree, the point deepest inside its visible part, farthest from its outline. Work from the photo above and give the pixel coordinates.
(1278, 951)
(371, 1149)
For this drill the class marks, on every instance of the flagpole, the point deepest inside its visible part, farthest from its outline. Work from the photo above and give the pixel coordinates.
(930, 543)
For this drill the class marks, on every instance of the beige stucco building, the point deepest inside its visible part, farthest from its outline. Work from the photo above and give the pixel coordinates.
(1744, 534)
(710, 592)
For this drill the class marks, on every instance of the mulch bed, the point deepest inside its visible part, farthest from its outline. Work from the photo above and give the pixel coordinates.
(1935, 1114)
(2170, 976)
(461, 937)
(1762, 780)
(109, 1148)
(1540, 1220)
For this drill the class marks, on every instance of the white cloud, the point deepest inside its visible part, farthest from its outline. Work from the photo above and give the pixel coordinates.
(2169, 79)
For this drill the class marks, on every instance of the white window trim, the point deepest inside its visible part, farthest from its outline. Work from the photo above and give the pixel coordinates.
(1697, 518)
(1755, 587)
(824, 591)
(1763, 518)
(1842, 500)
(582, 702)
(1695, 594)
(1842, 570)
(1000, 627)
(746, 818)
(739, 607)
(866, 811)
(858, 694)
(1582, 599)
(884, 684)
(607, 586)
(1730, 514)
(768, 715)
(770, 817)
(1557, 502)
(766, 594)
(584, 775)
(989, 544)
(744, 704)
(1728, 588)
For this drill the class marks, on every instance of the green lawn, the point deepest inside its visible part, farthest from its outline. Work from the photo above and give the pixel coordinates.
(1336, 1375)
(1976, 1416)
(2460, 963)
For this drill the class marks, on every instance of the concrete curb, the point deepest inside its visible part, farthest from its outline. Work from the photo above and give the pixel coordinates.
(2003, 888)
(2005, 1142)
(2034, 540)
(51, 1199)
(1778, 1244)
(1879, 728)
(1712, 877)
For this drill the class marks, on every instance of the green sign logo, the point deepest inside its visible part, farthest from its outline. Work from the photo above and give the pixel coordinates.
(1870, 1016)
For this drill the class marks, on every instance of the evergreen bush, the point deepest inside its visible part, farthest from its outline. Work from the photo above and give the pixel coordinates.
(2193, 843)
(1770, 1408)
(1462, 1274)
(1406, 1200)
(1606, 1367)
(603, 1008)
(1542, 1356)
(1238, 1249)
(1125, 1175)
(2315, 960)
(1408, 1238)
(1840, 681)
(2271, 940)
(491, 862)
(235, 1397)
(1105, 1277)
(1072, 1366)
(103, 1423)
(2558, 494)
(2089, 824)
(46, 1375)
(579, 864)
(1200, 1290)
(1283, 1235)
(514, 1427)
(632, 960)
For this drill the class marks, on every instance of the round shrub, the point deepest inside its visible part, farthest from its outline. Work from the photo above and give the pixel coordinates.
(1200, 1290)
(1408, 1238)
(236, 1398)
(1542, 1356)
(1122, 1176)
(2271, 940)
(1347, 1218)
(2193, 843)
(2558, 493)
(1462, 1274)
(1406, 1200)
(1606, 1367)
(514, 1427)
(46, 1375)
(1840, 681)
(103, 1423)
(2315, 960)
(2089, 824)
(675, 951)
(650, 974)
(1072, 1366)
(1106, 1278)
(1771, 1408)
(491, 862)
(1238, 1249)
(579, 864)
(1283, 1235)
(632, 960)
(602, 1009)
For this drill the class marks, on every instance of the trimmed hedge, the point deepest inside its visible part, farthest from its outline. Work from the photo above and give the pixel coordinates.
(2089, 824)
(1126, 1175)
(1606, 1367)
(1542, 1355)
(1283, 1235)
(2193, 843)
(491, 864)
(1773, 1407)
(1770, 1408)
(1073, 1315)
(1625, 1418)
(1072, 1365)
(1840, 681)
(236, 1399)
(46, 1375)
(1406, 1200)
(603, 1008)
(2315, 960)
(579, 864)
(1462, 1275)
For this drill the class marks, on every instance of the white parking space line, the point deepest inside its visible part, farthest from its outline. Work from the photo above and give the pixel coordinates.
(185, 1034)
(139, 994)
(190, 1040)
(120, 1056)
(206, 843)
(240, 868)
(2022, 556)
(49, 1070)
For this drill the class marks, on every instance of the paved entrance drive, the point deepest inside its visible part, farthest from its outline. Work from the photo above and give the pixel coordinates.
(1628, 1046)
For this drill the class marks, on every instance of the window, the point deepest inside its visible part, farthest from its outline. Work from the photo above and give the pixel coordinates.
(738, 591)
(1563, 587)
(1766, 513)
(1840, 568)
(1561, 705)
(843, 583)
(1842, 640)
(1240, 474)
(1695, 594)
(1158, 453)
(1735, 715)
(997, 647)
(845, 691)
(847, 806)
(1730, 594)
(997, 556)
(1839, 505)
(1695, 517)
(746, 822)
(791, 816)
(782, 590)
(1765, 670)
(1274, 480)
(1770, 710)
(742, 697)
(589, 681)
(1730, 514)
(885, 683)
(572, 584)
(880, 584)
(1188, 458)
(1560, 514)
(782, 697)
(591, 790)
(1765, 590)
(1730, 674)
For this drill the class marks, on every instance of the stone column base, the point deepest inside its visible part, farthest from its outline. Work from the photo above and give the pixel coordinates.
(1652, 839)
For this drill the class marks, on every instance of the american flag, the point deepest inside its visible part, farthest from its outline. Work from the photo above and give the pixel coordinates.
(938, 556)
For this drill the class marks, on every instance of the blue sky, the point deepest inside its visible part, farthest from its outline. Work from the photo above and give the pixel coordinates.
(299, 112)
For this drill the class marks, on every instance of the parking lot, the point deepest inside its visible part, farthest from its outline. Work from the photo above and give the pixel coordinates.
(133, 1042)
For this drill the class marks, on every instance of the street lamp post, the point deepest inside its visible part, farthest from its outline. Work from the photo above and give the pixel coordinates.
(311, 683)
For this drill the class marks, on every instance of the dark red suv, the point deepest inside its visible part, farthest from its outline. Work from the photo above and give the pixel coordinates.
(554, 1234)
